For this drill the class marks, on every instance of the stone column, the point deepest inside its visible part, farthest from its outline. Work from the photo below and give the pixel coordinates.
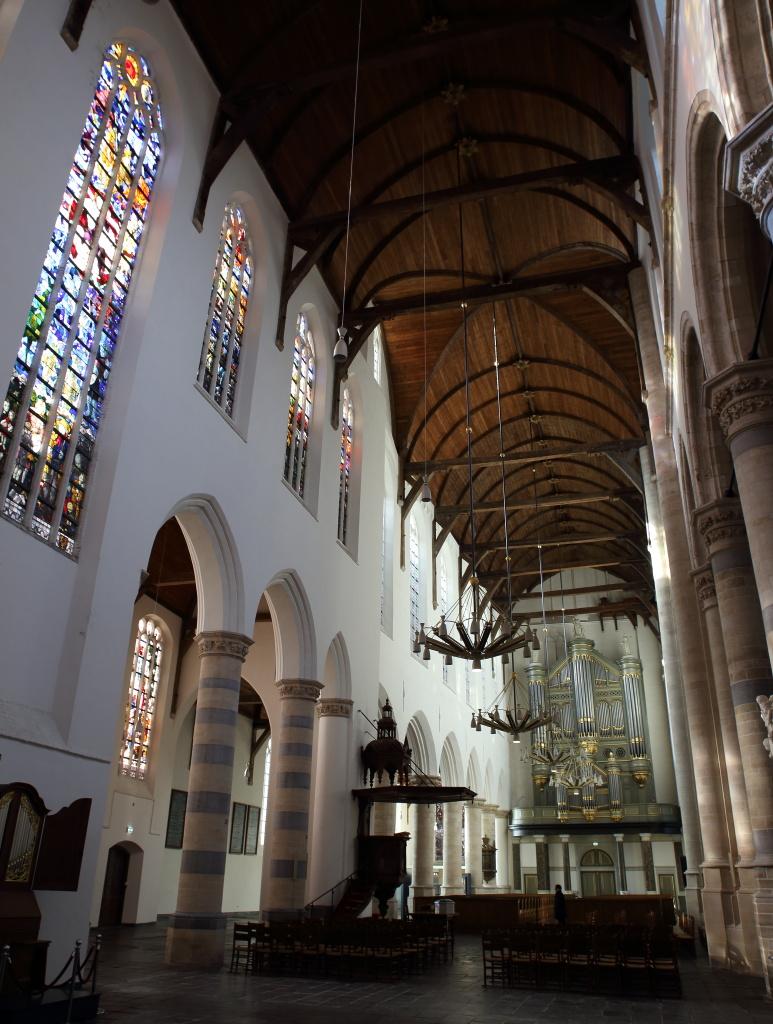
(488, 830)
(722, 526)
(543, 864)
(697, 694)
(672, 674)
(332, 838)
(473, 840)
(423, 849)
(383, 817)
(517, 877)
(196, 935)
(620, 847)
(742, 830)
(285, 854)
(452, 849)
(567, 863)
(648, 862)
(742, 398)
(502, 843)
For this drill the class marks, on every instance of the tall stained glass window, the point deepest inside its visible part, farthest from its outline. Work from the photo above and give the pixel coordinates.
(377, 354)
(301, 402)
(414, 578)
(55, 400)
(221, 352)
(264, 810)
(144, 678)
(345, 464)
(443, 600)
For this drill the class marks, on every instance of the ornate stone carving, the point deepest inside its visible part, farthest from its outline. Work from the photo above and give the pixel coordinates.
(303, 689)
(234, 645)
(749, 166)
(704, 585)
(337, 707)
(740, 393)
(720, 522)
(766, 711)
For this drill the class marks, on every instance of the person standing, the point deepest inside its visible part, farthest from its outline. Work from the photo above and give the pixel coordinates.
(559, 906)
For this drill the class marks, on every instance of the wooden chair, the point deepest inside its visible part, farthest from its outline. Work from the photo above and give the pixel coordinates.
(241, 949)
(259, 945)
(523, 957)
(496, 957)
(579, 958)
(663, 964)
(607, 973)
(634, 960)
(550, 957)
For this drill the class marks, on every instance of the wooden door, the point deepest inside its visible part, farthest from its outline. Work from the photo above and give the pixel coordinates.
(111, 910)
(598, 883)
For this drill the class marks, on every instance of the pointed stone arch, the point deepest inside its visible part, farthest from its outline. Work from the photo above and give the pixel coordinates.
(473, 773)
(295, 638)
(337, 672)
(216, 564)
(451, 762)
(419, 736)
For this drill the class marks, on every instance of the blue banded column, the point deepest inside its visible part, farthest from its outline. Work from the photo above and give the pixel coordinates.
(633, 697)
(285, 855)
(580, 650)
(196, 935)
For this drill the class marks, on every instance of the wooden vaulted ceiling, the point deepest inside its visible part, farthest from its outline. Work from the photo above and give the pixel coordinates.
(512, 118)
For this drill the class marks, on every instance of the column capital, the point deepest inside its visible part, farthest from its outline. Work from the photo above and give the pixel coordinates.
(749, 167)
(234, 645)
(564, 838)
(478, 802)
(298, 689)
(336, 707)
(742, 398)
(646, 837)
(703, 578)
(721, 524)
(490, 808)
(619, 837)
(502, 812)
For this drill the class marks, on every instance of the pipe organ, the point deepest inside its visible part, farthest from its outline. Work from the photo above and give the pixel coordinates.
(597, 736)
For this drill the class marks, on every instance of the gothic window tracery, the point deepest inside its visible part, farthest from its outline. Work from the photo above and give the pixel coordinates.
(55, 400)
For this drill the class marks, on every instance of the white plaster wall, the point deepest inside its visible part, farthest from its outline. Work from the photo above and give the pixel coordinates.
(159, 443)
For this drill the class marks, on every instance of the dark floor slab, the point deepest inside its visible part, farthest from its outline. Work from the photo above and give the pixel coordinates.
(137, 986)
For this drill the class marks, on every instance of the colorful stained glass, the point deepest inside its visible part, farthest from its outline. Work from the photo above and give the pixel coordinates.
(345, 464)
(144, 678)
(301, 402)
(222, 348)
(60, 376)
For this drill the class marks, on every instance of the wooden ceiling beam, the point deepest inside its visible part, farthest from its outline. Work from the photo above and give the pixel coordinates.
(597, 588)
(549, 570)
(475, 295)
(411, 48)
(610, 170)
(567, 540)
(460, 462)
(554, 501)
(627, 606)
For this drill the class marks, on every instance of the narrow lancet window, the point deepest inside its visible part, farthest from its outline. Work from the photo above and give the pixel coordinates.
(55, 400)
(144, 677)
(222, 349)
(345, 464)
(301, 402)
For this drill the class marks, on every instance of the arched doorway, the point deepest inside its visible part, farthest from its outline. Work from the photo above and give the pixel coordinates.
(120, 889)
(597, 874)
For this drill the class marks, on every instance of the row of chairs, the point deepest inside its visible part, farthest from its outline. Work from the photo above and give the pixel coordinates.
(601, 958)
(367, 948)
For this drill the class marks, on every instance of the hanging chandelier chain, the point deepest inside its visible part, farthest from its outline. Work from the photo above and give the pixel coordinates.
(468, 422)
(502, 466)
(351, 161)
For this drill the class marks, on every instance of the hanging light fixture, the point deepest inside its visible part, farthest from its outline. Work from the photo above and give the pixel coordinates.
(341, 348)
(476, 643)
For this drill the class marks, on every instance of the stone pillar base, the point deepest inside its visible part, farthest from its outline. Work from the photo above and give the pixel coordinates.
(692, 897)
(763, 914)
(718, 912)
(452, 890)
(422, 890)
(196, 940)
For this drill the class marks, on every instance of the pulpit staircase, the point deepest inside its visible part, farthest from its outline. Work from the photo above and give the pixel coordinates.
(344, 901)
